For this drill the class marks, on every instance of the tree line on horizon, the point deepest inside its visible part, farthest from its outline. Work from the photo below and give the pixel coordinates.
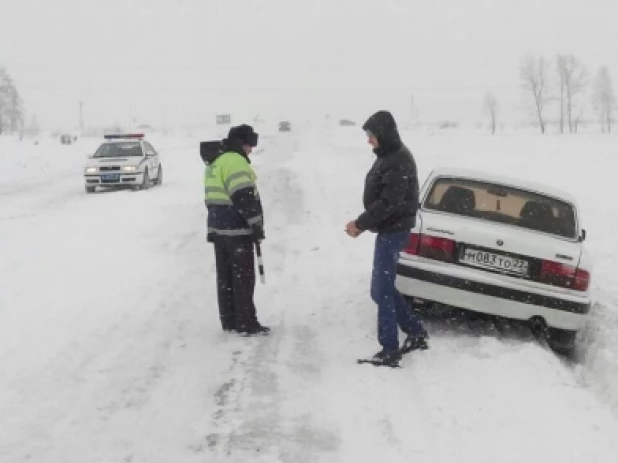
(563, 89)
(568, 86)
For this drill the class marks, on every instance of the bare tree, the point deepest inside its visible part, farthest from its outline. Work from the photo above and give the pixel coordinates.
(11, 105)
(15, 111)
(578, 119)
(573, 77)
(604, 99)
(559, 66)
(3, 100)
(533, 73)
(491, 105)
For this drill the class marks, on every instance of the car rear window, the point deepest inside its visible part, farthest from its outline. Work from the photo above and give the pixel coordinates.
(502, 204)
(130, 148)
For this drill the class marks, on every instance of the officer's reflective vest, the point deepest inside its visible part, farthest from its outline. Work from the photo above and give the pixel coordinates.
(230, 173)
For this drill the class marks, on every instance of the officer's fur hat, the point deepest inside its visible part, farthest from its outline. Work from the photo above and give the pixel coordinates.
(245, 134)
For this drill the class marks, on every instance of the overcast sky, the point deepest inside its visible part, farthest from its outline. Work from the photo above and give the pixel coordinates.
(181, 61)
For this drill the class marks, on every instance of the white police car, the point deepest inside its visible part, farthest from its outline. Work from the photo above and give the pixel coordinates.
(503, 247)
(123, 160)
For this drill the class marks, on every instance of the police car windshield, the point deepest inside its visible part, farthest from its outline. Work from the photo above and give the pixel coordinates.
(121, 149)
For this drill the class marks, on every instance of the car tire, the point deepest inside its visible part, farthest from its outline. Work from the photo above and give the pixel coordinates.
(90, 189)
(159, 179)
(421, 308)
(561, 341)
(146, 182)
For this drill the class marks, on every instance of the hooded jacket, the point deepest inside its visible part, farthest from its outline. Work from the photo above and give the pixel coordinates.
(231, 194)
(391, 190)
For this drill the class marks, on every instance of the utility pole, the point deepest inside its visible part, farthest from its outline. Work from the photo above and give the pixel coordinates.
(81, 118)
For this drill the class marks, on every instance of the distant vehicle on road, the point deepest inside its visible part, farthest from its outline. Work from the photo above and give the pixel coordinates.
(67, 139)
(223, 119)
(285, 126)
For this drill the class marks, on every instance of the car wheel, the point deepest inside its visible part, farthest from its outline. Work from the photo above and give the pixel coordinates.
(420, 307)
(159, 179)
(90, 189)
(415, 302)
(561, 341)
(146, 181)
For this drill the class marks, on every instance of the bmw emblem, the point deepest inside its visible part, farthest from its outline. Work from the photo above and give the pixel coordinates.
(499, 242)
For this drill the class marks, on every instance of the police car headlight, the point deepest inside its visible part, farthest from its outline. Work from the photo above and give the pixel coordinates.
(91, 170)
(129, 168)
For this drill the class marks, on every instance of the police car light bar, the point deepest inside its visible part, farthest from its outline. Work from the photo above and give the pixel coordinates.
(125, 135)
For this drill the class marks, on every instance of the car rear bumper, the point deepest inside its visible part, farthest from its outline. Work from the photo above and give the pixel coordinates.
(133, 178)
(470, 289)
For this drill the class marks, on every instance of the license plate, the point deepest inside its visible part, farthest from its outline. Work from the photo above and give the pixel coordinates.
(110, 177)
(492, 261)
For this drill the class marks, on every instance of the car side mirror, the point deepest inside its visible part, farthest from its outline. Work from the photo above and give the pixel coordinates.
(583, 235)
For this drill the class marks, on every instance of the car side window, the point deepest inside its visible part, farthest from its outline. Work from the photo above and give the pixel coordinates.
(149, 149)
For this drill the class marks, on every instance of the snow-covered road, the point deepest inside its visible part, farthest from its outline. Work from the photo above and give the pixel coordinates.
(111, 349)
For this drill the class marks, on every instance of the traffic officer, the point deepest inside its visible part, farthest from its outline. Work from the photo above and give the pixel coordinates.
(235, 224)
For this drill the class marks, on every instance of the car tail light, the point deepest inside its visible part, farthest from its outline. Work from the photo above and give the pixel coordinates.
(413, 242)
(582, 280)
(565, 276)
(431, 247)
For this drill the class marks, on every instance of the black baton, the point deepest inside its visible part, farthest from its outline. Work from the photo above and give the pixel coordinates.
(258, 252)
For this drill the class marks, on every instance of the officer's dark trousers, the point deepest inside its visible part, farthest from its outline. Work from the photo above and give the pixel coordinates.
(235, 281)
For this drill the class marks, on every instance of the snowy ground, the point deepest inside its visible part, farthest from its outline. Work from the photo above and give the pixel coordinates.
(111, 351)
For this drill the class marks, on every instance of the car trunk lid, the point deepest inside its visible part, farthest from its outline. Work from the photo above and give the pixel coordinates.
(499, 248)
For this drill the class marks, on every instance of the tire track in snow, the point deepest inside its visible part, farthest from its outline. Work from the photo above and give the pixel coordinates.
(106, 383)
(225, 398)
(236, 427)
(246, 414)
(253, 422)
(258, 419)
(334, 291)
(100, 391)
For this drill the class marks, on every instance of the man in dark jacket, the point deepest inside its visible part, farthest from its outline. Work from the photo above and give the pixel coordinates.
(235, 223)
(391, 201)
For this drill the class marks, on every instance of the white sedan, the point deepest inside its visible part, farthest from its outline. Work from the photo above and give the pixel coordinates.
(503, 247)
(123, 160)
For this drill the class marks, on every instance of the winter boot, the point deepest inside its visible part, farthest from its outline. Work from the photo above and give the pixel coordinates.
(387, 358)
(255, 330)
(228, 323)
(418, 342)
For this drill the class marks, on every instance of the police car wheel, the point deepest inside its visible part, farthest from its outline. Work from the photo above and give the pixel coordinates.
(159, 179)
(146, 181)
(90, 189)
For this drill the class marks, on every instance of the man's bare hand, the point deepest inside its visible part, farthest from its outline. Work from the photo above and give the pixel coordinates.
(352, 230)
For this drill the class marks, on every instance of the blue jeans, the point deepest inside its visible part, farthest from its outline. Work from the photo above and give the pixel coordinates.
(393, 310)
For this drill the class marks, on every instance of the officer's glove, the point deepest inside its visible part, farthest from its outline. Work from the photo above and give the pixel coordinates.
(210, 237)
(257, 232)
